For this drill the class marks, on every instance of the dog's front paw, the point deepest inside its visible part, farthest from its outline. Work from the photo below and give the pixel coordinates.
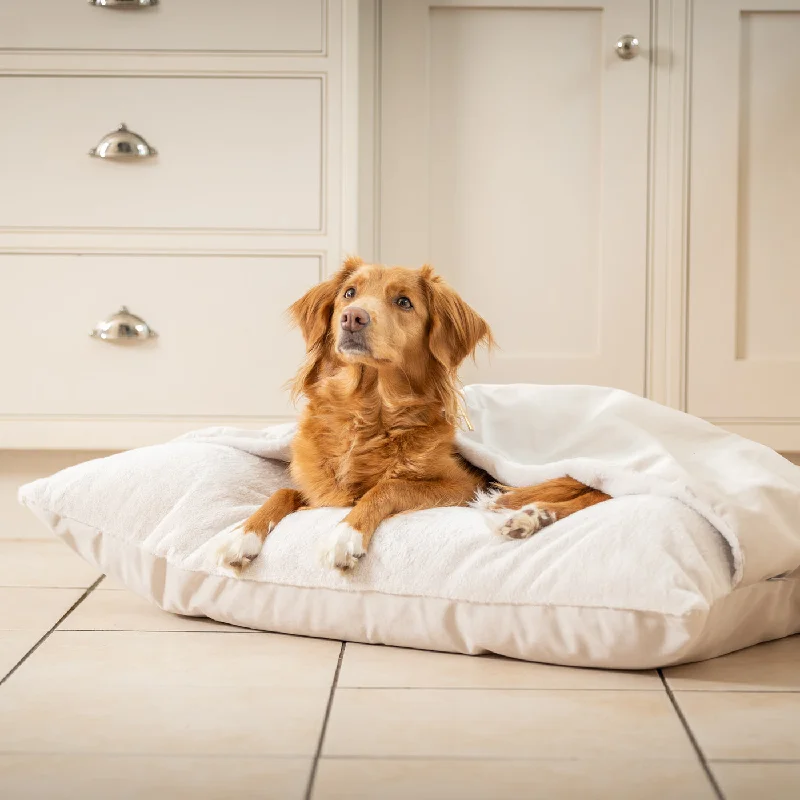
(523, 523)
(341, 548)
(238, 548)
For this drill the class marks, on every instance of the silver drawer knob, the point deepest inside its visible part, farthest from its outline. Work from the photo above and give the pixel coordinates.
(627, 47)
(123, 3)
(123, 144)
(123, 327)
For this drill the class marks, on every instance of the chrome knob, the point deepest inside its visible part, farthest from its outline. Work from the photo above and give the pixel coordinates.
(627, 47)
(123, 327)
(123, 144)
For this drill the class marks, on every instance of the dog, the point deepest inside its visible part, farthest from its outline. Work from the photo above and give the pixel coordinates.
(383, 347)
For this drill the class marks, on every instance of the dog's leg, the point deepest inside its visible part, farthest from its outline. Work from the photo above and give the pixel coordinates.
(350, 539)
(244, 542)
(519, 513)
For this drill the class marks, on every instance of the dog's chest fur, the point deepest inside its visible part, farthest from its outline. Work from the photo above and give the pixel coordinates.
(338, 457)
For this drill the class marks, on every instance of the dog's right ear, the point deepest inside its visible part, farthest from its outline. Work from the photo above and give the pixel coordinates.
(312, 312)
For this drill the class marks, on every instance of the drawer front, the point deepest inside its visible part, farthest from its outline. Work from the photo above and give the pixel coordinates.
(233, 153)
(224, 345)
(265, 26)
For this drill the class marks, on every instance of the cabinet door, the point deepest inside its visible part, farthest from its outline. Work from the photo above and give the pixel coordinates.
(514, 159)
(744, 278)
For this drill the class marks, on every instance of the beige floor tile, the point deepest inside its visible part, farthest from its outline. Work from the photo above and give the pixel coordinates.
(111, 584)
(34, 609)
(770, 667)
(504, 724)
(744, 725)
(34, 777)
(373, 666)
(767, 781)
(159, 720)
(355, 779)
(13, 646)
(125, 611)
(50, 563)
(124, 659)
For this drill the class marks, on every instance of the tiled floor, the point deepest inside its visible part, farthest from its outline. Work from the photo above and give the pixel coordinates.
(104, 696)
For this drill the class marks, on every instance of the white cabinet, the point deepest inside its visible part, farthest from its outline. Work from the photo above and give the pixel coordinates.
(242, 210)
(628, 222)
(514, 143)
(744, 288)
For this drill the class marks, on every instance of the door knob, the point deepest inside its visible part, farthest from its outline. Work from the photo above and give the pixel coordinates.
(627, 47)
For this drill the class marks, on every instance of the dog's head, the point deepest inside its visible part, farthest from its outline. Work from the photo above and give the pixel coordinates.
(387, 316)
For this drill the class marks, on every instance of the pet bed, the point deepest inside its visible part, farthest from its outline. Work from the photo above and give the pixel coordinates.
(698, 554)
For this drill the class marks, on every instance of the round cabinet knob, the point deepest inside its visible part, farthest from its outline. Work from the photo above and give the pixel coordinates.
(123, 144)
(627, 47)
(123, 327)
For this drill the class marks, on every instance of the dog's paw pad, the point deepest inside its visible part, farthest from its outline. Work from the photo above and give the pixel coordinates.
(523, 523)
(238, 548)
(341, 548)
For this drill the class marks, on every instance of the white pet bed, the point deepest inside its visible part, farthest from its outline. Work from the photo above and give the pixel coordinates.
(697, 555)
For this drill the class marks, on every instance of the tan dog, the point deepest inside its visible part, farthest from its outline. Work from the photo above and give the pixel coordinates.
(383, 348)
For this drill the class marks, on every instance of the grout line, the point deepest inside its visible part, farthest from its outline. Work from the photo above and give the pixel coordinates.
(362, 757)
(695, 744)
(38, 644)
(576, 689)
(467, 758)
(766, 761)
(738, 691)
(313, 775)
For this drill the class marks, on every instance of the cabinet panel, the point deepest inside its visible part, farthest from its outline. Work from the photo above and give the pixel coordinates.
(514, 158)
(744, 330)
(233, 153)
(284, 26)
(224, 348)
(769, 185)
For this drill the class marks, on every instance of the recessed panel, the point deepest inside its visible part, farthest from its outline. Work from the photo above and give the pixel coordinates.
(232, 153)
(222, 347)
(279, 26)
(768, 322)
(515, 171)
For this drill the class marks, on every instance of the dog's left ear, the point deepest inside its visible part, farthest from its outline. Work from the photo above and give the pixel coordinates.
(456, 330)
(312, 312)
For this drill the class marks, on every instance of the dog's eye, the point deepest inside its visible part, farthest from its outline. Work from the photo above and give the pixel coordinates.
(404, 302)
(350, 294)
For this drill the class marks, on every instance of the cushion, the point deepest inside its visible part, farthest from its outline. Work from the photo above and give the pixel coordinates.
(671, 570)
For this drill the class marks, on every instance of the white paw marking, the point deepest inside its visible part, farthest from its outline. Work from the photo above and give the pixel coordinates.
(341, 548)
(238, 548)
(523, 523)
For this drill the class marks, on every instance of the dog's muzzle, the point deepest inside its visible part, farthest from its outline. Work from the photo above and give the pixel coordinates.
(352, 342)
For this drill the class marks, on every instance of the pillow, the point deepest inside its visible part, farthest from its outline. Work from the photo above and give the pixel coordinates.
(638, 582)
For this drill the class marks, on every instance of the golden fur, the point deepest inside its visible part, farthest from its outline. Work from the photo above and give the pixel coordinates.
(382, 403)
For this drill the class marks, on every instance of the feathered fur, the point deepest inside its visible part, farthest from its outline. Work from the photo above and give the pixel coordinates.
(377, 429)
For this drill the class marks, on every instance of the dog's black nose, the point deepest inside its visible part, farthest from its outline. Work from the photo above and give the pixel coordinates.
(354, 319)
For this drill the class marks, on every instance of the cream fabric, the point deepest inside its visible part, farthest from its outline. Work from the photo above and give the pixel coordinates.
(697, 555)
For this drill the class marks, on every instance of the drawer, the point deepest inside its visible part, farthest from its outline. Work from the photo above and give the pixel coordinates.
(224, 345)
(266, 26)
(233, 153)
